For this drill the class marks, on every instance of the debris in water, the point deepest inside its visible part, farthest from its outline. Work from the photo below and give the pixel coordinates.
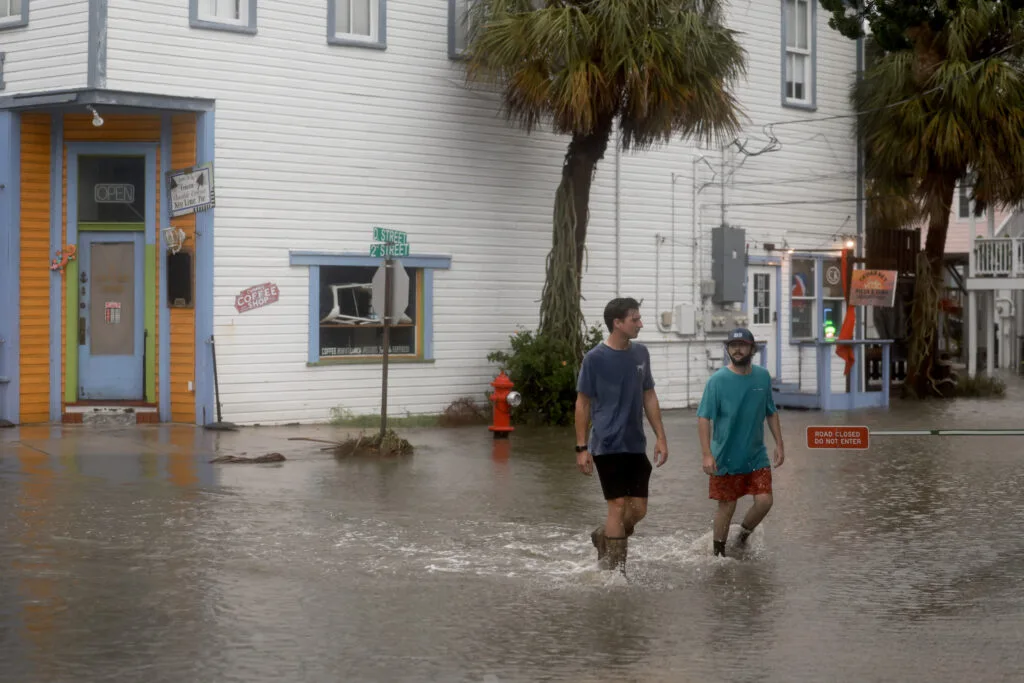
(230, 459)
(391, 444)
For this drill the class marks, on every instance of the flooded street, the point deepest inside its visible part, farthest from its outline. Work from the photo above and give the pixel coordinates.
(126, 556)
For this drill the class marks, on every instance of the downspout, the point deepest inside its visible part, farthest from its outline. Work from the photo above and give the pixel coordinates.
(860, 247)
(618, 185)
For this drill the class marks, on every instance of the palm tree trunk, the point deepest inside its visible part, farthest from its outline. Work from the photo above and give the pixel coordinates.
(928, 292)
(560, 314)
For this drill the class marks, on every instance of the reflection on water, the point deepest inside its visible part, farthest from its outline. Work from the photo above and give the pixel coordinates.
(125, 556)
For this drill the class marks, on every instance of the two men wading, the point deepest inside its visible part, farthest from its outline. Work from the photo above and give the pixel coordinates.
(615, 390)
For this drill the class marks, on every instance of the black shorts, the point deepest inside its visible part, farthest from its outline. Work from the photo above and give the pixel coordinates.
(623, 474)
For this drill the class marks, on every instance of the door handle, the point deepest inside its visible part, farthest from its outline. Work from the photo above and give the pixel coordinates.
(81, 331)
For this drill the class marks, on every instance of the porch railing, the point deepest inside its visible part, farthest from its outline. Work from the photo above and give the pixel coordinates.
(998, 257)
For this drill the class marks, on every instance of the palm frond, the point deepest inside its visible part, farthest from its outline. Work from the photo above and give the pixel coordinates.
(661, 67)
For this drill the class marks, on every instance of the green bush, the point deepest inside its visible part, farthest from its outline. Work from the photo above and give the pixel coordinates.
(544, 372)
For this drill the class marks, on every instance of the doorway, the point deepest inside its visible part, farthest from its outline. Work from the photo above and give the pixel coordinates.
(112, 298)
(761, 304)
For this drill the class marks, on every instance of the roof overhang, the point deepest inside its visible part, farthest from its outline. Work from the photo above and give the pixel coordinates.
(76, 98)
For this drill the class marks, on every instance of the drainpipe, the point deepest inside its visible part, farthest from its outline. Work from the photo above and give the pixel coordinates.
(618, 234)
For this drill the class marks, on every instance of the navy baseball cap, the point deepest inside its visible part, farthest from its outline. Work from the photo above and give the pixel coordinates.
(741, 334)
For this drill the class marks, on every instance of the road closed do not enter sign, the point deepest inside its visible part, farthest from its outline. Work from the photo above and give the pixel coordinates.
(841, 437)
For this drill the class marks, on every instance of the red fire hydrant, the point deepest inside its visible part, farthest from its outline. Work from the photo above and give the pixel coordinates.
(504, 399)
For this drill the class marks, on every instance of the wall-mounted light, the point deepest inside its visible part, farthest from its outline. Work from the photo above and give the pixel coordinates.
(850, 244)
(97, 120)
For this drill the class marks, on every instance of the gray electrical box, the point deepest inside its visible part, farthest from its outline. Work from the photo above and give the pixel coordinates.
(728, 264)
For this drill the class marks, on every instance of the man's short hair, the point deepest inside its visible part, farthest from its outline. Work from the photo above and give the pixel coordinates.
(618, 309)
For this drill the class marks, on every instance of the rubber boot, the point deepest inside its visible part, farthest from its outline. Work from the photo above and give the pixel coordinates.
(598, 539)
(617, 551)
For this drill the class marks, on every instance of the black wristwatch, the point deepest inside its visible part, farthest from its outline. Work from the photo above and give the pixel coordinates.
(580, 449)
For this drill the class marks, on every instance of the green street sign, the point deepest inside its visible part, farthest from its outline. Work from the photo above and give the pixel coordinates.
(388, 235)
(389, 250)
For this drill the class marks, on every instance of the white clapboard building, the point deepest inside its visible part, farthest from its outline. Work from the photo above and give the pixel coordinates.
(317, 121)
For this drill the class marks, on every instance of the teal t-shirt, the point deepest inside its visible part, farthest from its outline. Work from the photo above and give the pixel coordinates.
(737, 406)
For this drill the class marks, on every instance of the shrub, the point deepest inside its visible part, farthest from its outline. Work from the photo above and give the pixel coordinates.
(544, 372)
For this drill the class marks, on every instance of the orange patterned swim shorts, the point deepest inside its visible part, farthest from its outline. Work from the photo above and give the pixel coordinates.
(735, 486)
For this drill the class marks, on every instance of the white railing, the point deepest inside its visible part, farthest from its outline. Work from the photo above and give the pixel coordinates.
(998, 257)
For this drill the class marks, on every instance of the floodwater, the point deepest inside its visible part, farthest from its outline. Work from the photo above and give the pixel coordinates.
(126, 556)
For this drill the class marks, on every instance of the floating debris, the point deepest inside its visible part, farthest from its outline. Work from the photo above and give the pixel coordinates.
(390, 445)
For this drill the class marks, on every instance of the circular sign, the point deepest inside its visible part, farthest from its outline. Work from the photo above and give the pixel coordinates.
(832, 275)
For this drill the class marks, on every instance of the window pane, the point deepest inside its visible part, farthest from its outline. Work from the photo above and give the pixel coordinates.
(965, 202)
(361, 17)
(348, 324)
(10, 8)
(111, 189)
(791, 23)
(343, 16)
(831, 278)
(226, 9)
(461, 24)
(762, 298)
(803, 277)
(803, 15)
(801, 324)
(833, 320)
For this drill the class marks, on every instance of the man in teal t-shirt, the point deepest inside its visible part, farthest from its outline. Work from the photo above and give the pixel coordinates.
(737, 400)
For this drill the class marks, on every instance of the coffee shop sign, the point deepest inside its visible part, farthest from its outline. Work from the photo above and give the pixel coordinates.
(256, 297)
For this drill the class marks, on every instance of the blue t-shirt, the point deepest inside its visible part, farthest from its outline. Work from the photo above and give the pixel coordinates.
(737, 406)
(615, 382)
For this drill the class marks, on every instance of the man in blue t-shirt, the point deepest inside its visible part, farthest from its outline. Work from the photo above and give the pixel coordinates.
(615, 390)
(737, 400)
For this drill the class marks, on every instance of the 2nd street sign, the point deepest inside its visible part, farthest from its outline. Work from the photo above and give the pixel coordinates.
(389, 250)
(388, 235)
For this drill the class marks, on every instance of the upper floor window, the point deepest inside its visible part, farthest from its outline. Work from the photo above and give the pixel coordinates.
(224, 15)
(357, 22)
(458, 27)
(798, 52)
(13, 13)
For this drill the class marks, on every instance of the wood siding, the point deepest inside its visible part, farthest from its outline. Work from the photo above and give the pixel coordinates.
(35, 268)
(183, 320)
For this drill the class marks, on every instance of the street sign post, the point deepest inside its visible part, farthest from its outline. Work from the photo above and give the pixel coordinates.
(391, 244)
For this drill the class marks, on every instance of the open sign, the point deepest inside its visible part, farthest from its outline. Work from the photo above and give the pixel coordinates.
(114, 193)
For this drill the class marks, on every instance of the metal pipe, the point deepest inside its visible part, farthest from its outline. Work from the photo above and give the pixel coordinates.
(618, 234)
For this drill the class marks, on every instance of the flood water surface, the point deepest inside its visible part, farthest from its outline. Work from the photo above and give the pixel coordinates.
(126, 556)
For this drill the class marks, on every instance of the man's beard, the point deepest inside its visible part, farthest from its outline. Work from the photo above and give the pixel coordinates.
(743, 361)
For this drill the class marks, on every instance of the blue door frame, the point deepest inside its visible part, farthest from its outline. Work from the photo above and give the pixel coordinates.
(111, 377)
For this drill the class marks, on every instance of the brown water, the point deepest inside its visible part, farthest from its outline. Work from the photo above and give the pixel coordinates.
(126, 557)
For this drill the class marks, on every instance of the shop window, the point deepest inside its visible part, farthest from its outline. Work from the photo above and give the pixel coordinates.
(804, 317)
(350, 326)
(802, 300)
(345, 324)
(111, 189)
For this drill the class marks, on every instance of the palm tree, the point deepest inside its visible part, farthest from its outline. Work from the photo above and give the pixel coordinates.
(655, 68)
(944, 99)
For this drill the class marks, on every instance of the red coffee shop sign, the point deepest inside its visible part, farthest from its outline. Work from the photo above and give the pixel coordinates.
(256, 297)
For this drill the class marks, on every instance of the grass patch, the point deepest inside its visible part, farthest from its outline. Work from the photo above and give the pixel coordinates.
(342, 417)
(459, 413)
(980, 387)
